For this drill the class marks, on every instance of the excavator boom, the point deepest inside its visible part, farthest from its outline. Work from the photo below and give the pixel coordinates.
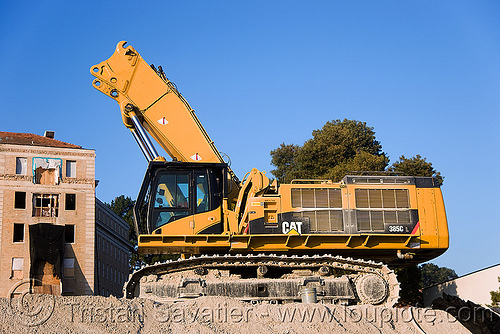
(146, 93)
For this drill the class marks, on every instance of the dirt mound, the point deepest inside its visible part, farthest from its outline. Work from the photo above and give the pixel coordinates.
(474, 317)
(93, 314)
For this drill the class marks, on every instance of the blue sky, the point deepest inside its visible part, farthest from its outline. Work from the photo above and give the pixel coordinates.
(424, 74)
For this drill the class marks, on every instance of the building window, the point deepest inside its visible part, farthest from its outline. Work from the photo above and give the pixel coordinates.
(69, 268)
(70, 168)
(47, 170)
(21, 166)
(70, 202)
(17, 268)
(20, 200)
(45, 205)
(69, 234)
(18, 233)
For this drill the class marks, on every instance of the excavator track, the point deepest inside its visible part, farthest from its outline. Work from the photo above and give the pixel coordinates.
(267, 277)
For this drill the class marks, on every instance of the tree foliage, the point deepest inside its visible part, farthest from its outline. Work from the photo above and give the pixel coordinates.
(284, 158)
(123, 207)
(415, 166)
(410, 279)
(495, 297)
(414, 278)
(433, 274)
(338, 148)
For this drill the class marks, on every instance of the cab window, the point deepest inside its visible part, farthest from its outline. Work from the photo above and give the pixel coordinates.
(172, 191)
(202, 194)
(171, 198)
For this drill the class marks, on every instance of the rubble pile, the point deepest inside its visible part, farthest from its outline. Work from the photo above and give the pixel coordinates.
(94, 314)
(475, 318)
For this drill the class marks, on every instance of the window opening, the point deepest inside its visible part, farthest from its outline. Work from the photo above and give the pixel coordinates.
(45, 205)
(17, 268)
(69, 234)
(20, 200)
(69, 267)
(70, 202)
(18, 233)
(70, 168)
(21, 166)
(47, 171)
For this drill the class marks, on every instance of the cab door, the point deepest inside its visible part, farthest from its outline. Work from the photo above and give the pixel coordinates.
(172, 200)
(207, 203)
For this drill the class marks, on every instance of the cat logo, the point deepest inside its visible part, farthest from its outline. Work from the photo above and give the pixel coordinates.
(291, 227)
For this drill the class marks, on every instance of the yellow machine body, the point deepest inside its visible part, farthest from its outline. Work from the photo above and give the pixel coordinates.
(196, 205)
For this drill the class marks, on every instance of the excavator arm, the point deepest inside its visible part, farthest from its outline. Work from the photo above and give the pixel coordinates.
(150, 103)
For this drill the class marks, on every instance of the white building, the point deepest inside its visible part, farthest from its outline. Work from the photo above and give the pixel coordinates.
(475, 287)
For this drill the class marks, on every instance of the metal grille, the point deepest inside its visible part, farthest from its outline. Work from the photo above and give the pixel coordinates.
(316, 198)
(323, 220)
(376, 220)
(328, 201)
(399, 179)
(378, 207)
(382, 198)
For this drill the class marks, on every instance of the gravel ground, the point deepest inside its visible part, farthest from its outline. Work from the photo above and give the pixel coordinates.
(93, 314)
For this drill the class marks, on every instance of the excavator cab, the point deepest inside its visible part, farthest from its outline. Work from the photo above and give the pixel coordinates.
(173, 191)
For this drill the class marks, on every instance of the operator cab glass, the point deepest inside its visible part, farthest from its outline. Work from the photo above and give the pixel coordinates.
(201, 193)
(171, 198)
(177, 194)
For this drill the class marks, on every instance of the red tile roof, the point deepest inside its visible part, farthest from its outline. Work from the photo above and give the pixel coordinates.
(31, 139)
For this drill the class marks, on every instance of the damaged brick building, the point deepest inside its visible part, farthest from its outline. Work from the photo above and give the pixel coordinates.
(53, 230)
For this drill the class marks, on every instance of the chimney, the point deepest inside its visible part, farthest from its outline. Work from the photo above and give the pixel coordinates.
(49, 134)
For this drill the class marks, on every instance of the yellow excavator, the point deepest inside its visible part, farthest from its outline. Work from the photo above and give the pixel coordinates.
(255, 240)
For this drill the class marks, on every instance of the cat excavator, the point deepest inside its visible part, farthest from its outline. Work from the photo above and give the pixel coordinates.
(256, 240)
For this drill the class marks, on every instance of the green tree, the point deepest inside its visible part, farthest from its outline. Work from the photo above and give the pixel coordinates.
(415, 166)
(284, 158)
(410, 283)
(433, 274)
(414, 278)
(495, 297)
(339, 147)
(123, 207)
(362, 161)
